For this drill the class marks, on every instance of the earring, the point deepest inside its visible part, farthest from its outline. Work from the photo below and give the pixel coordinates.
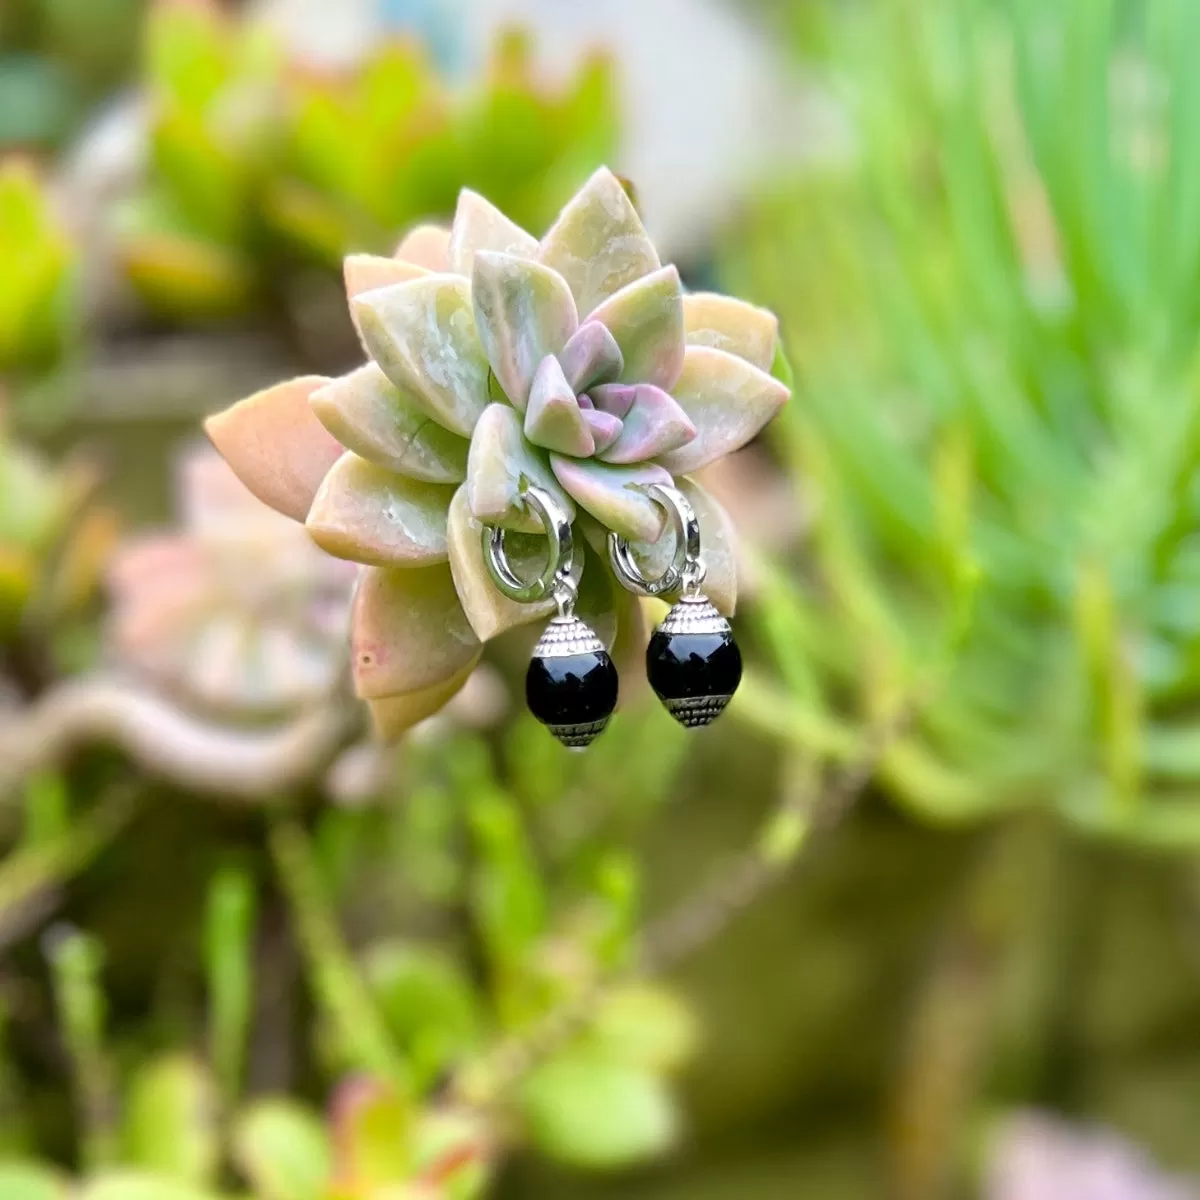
(693, 663)
(571, 684)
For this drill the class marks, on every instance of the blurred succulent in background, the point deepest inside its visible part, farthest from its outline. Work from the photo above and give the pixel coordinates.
(1035, 1157)
(257, 161)
(237, 610)
(992, 315)
(38, 280)
(576, 363)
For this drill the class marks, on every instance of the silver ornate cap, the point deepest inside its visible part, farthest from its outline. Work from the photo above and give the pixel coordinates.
(565, 636)
(694, 614)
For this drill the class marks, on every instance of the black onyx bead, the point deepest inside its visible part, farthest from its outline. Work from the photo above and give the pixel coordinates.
(572, 694)
(694, 674)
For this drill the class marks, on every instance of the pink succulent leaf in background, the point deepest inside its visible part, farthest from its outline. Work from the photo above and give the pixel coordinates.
(577, 363)
(237, 610)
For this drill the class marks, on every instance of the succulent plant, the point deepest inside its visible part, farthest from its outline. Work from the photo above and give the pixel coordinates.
(576, 363)
(236, 611)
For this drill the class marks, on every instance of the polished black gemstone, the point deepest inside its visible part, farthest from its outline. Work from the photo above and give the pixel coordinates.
(572, 689)
(685, 669)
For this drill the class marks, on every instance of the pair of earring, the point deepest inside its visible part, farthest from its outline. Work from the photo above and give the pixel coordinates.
(692, 661)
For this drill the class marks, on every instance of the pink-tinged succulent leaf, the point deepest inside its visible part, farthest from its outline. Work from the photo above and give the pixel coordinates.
(523, 312)
(613, 494)
(422, 335)
(276, 446)
(426, 246)
(410, 632)
(500, 464)
(718, 541)
(591, 356)
(488, 610)
(728, 401)
(604, 427)
(554, 419)
(386, 425)
(369, 515)
(731, 325)
(598, 244)
(480, 225)
(393, 716)
(653, 425)
(629, 646)
(646, 319)
(366, 272)
(614, 398)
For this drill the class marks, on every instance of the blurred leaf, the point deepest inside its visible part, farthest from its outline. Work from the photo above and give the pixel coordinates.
(28, 1181)
(282, 1149)
(588, 1111)
(170, 1126)
(229, 935)
(643, 1026)
(139, 1185)
(373, 1129)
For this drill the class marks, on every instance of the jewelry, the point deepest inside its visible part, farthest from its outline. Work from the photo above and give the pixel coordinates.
(571, 684)
(693, 662)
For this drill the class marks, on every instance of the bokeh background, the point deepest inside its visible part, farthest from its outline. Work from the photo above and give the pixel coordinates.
(918, 919)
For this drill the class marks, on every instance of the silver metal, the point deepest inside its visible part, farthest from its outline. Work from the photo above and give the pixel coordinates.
(686, 570)
(558, 575)
(697, 711)
(694, 614)
(565, 636)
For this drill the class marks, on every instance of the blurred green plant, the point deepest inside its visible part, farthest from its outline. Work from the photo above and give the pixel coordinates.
(37, 299)
(992, 313)
(258, 162)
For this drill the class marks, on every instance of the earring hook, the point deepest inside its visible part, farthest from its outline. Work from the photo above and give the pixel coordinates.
(557, 577)
(686, 570)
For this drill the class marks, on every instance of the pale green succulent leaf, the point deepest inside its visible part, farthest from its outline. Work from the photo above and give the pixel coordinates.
(393, 716)
(614, 495)
(422, 335)
(732, 325)
(367, 272)
(523, 312)
(480, 225)
(501, 463)
(170, 1125)
(282, 1150)
(591, 1111)
(598, 244)
(387, 426)
(276, 446)
(728, 400)
(646, 319)
(410, 631)
(591, 356)
(554, 420)
(654, 425)
(426, 246)
(369, 515)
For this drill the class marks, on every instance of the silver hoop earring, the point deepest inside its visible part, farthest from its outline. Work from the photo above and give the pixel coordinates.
(693, 662)
(571, 685)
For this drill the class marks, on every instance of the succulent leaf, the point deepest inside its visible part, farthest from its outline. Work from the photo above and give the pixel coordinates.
(276, 446)
(554, 419)
(410, 632)
(598, 244)
(396, 715)
(732, 325)
(646, 320)
(366, 272)
(480, 225)
(370, 515)
(605, 428)
(387, 426)
(591, 356)
(426, 246)
(500, 464)
(613, 494)
(727, 400)
(523, 312)
(653, 425)
(422, 335)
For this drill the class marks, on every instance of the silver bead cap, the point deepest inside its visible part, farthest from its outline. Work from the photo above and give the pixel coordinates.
(565, 636)
(578, 736)
(694, 614)
(697, 711)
